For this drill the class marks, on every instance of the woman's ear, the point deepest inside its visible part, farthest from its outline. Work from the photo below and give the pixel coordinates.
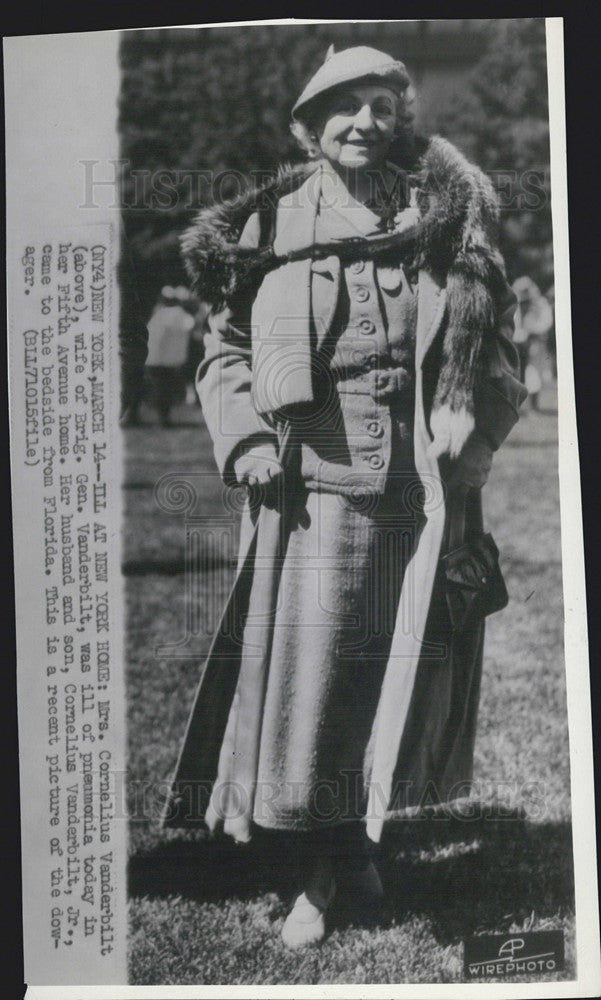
(307, 139)
(405, 111)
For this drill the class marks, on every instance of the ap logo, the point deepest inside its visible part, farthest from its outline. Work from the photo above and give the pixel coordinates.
(510, 947)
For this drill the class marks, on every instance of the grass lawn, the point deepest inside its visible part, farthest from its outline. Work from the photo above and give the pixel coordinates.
(203, 911)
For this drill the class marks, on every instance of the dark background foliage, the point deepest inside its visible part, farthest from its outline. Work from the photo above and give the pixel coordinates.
(203, 108)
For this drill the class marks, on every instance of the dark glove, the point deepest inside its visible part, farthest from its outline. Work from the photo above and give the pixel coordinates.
(472, 467)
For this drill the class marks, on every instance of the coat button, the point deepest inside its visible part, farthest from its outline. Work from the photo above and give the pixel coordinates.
(375, 461)
(375, 429)
(362, 293)
(357, 267)
(366, 326)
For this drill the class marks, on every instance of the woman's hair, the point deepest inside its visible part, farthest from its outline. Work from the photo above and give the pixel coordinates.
(313, 114)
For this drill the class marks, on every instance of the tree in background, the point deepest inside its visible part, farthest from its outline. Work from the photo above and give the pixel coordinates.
(211, 103)
(200, 104)
(502, 124)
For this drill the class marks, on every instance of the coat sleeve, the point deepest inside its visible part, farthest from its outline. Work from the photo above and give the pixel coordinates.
(224, 379)
(500, 393)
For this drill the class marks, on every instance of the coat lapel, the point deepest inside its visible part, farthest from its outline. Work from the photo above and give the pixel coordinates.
(325, 288)
(295, 224)
(292, 299)
(410, 627)
(281, 342)
(297, 214)
(431, 303)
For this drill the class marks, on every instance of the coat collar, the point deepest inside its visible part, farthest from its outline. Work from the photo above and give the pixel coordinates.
(296, 227)
(296, 214)
(453, 244)
(306, 289)
(456, 201)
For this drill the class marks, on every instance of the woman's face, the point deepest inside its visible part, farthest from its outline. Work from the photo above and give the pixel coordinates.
(358, 127)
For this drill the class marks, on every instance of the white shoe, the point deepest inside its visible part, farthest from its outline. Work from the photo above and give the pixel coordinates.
(305, 924)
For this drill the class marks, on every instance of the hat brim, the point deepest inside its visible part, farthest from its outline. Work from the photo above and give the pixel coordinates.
(396, 80)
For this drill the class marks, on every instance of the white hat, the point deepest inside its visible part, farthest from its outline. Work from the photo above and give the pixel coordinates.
(353, 64)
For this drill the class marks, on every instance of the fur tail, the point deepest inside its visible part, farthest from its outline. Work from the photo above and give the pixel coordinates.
(472, 321)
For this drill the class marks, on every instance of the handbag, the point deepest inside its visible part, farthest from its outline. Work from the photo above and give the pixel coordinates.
(474, 584)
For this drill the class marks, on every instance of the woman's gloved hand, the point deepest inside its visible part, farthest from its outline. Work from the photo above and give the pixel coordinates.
(473, 465)
(260, 471)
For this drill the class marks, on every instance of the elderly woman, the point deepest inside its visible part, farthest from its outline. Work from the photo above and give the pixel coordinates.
(358, 377)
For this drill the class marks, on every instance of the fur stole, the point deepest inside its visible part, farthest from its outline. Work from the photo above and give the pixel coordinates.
(453, 234)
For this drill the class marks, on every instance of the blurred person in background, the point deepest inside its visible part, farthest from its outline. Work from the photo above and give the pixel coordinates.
(358, 377)
(169, 330)
(533, 326)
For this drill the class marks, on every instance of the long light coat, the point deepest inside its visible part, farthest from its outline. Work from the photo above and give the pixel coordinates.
(424, 727)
